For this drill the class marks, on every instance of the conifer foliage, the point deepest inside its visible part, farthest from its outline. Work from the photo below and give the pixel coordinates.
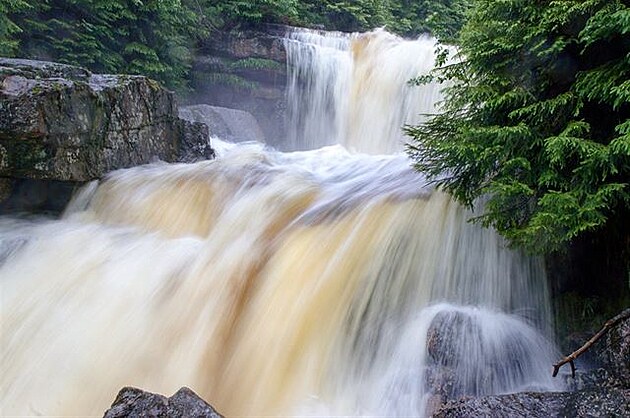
(146, 37)
(158, 38)
(8, 28)
(536, 119)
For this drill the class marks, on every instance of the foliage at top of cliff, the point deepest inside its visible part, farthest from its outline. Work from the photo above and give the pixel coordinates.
(405, 17)
(151, 38)
(158, 38)
(536, 120)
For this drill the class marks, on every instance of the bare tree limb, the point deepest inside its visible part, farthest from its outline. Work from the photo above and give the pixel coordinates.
(611, 323)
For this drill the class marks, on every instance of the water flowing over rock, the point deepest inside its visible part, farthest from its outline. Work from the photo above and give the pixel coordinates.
(473, 353)
(602, 391)
(330, 281)
(343, 90)
(185, 403)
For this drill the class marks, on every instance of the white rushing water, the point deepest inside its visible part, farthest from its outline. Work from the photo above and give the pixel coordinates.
(329, 281)
(353, 90)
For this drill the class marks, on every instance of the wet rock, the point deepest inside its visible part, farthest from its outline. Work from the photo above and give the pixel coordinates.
(195, 141)
(444, 337)
(245, 70)
(61, 126)
(594, 403)
(599, 391)
(450, 372)
(442, 382)
(589, 379)
(59, 122)
(616, 353)
(33, 69)
(35, 196)
(230, 124)
(132, 402)
(606, 363)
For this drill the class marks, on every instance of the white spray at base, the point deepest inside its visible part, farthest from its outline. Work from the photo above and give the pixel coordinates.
(320, 282)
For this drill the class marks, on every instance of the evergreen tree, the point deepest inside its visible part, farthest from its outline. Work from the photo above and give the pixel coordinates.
(151, 37)
(536, 120)
(239, 14)
(8, 28)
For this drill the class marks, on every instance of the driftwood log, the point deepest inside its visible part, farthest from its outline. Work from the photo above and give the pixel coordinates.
(611, 323)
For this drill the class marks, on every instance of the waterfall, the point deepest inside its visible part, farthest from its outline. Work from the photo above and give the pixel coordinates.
(353, 90)
(327, 281)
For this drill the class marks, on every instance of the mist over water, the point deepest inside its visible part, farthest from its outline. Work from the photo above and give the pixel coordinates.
(328, 281)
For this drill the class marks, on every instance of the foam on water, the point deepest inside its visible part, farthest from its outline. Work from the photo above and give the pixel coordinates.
(328, 281)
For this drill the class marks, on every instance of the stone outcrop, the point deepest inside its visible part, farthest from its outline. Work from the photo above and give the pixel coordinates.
(600, 403)
(229, 124)
(602, 391)
(246, 71)
(616, 354)
(185, 403)
(60, 122)
(63, 124)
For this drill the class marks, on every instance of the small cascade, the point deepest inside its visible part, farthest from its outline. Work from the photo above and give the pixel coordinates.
(353, 90)
(321, 282)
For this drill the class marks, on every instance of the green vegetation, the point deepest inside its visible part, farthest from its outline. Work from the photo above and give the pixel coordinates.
(158, 38)
(536, 121)
(9, 30)
(406, 17)
(151, 38)
(234, 14)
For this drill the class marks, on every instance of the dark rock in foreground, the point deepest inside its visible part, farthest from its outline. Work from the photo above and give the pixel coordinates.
(595, 403)
(602, 392)
(185, 403)
(59, 122)
(606, 363)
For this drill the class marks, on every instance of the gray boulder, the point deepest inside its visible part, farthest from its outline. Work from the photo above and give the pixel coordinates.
(593, 403)
(230, 124)
(597, 392)
(60, 122)
(185, 403)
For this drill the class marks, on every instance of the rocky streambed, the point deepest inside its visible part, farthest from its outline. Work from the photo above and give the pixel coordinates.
(601, 391)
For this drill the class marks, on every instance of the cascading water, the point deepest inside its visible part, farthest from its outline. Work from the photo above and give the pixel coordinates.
(320, 282)
(352, 89)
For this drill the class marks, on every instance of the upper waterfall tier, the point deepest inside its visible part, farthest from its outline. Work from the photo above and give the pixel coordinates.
(353, 89)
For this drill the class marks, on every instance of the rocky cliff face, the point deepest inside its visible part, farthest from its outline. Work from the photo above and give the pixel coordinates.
(60, 123)
(245, 71)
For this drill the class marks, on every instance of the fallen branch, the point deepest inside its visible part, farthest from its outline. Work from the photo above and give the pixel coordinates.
(611, 323)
